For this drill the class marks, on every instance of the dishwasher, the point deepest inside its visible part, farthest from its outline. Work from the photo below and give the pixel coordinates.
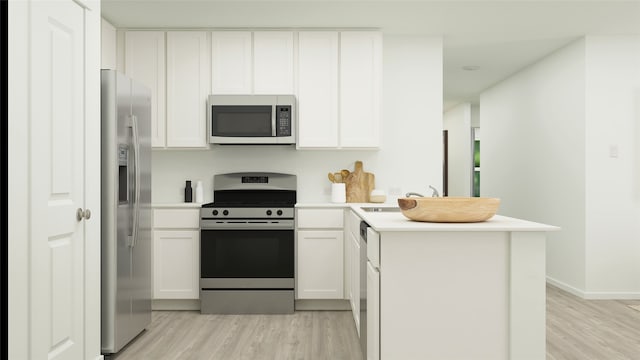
(363, 288)
(369, 292)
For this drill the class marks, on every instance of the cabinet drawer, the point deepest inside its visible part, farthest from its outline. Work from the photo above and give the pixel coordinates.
(320, 218)
(176, 218)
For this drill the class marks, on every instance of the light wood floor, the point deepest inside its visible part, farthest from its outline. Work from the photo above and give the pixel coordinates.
(577, 329)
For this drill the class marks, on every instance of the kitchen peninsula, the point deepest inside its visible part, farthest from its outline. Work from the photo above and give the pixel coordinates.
(456, 290)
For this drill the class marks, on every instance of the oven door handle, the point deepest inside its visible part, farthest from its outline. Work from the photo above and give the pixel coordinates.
(210, 224)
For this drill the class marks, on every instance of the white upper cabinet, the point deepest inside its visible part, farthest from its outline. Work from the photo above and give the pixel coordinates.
(231, 62)
(188, 76)
(144, 55)
(360, 88)
(273, 62)
(318, 89)
(339, 85)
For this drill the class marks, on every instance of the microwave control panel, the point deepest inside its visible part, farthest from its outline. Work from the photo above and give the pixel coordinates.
(283, 120)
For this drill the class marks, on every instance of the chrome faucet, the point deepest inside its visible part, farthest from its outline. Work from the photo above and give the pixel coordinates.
(434, 194)
(413, 193)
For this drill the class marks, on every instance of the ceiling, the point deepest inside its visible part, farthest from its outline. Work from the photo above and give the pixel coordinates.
(498, 37)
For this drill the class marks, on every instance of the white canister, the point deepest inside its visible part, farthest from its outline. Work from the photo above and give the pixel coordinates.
(338, 193)
(199, 192)
(377, 196)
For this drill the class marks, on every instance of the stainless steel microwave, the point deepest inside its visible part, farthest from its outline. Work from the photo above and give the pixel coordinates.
(252, 119)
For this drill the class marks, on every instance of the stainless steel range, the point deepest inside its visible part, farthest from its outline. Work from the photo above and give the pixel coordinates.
(247, 245)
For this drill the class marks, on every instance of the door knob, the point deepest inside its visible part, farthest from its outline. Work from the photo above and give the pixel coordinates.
(83, 214)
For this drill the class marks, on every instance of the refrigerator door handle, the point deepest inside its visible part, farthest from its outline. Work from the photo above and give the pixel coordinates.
(136, 188)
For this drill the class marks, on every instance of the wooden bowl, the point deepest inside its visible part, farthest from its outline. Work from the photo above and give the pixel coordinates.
(449, 209)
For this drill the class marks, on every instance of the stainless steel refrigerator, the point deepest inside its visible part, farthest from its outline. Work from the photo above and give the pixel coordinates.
(126, 210)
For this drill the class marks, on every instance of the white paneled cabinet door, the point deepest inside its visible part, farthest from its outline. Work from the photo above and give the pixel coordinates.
(360, 88)
(57, 289)
(320, 267)
(231, 62)
(145, 62)
(273, 62)
(355, 280)
(176, 264)
(317, 89)
(188, 74)
(373, 313)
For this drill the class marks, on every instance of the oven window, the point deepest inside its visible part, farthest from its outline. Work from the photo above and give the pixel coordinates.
(241, 120)
(246, 253)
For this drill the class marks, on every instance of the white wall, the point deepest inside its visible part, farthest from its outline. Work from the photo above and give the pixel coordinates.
(107, 45)
(549, 138)
(613, 182)
(533, 154)
(409, 158)
(458, 123)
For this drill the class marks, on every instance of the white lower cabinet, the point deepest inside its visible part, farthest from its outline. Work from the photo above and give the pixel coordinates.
(373, 312)
(176, 254)
(320, 253)
(354, 293)
(320, 264)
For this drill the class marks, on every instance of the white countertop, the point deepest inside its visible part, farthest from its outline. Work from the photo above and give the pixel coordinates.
(395, 221)
(176, 205)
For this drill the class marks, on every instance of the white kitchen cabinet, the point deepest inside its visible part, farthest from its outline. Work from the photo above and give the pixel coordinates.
(231, 62)
(339, 89)
(373, 312)
(144, 54)
(320, 254)
(320, 261)
(354, 292)
(352, 232)
(273, 70)
(360, 88)
(318, 89)
(188, 74)
(176, 254)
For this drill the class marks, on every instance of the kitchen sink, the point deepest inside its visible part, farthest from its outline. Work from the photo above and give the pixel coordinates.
(380, 209)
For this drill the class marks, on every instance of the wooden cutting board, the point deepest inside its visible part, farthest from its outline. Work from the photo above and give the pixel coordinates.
(359, 185)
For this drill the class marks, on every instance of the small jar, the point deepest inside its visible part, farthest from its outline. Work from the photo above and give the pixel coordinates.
(377, 196)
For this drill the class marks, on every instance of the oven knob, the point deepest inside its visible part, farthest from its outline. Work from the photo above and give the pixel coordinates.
(215, 212)
(225, 212)
(279, 212)
(269, 212)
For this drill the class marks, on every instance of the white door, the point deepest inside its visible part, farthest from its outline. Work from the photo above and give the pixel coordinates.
(318, 89)
(56, 180)
(273, 62)
(144, 55)
(231, 62)
(188, 76)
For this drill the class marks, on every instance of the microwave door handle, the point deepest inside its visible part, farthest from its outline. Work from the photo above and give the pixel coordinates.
(273, 120)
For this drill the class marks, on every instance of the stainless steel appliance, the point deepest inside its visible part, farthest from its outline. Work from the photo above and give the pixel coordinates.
(126, 210)
(247, 245)
(252, 119)
(363, 288)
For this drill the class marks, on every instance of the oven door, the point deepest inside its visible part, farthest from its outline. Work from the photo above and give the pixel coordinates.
(246, 254)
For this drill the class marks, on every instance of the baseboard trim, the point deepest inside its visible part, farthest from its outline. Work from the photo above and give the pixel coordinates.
(330, 304)
(194, 304)
(175, 304)
(593, 295)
